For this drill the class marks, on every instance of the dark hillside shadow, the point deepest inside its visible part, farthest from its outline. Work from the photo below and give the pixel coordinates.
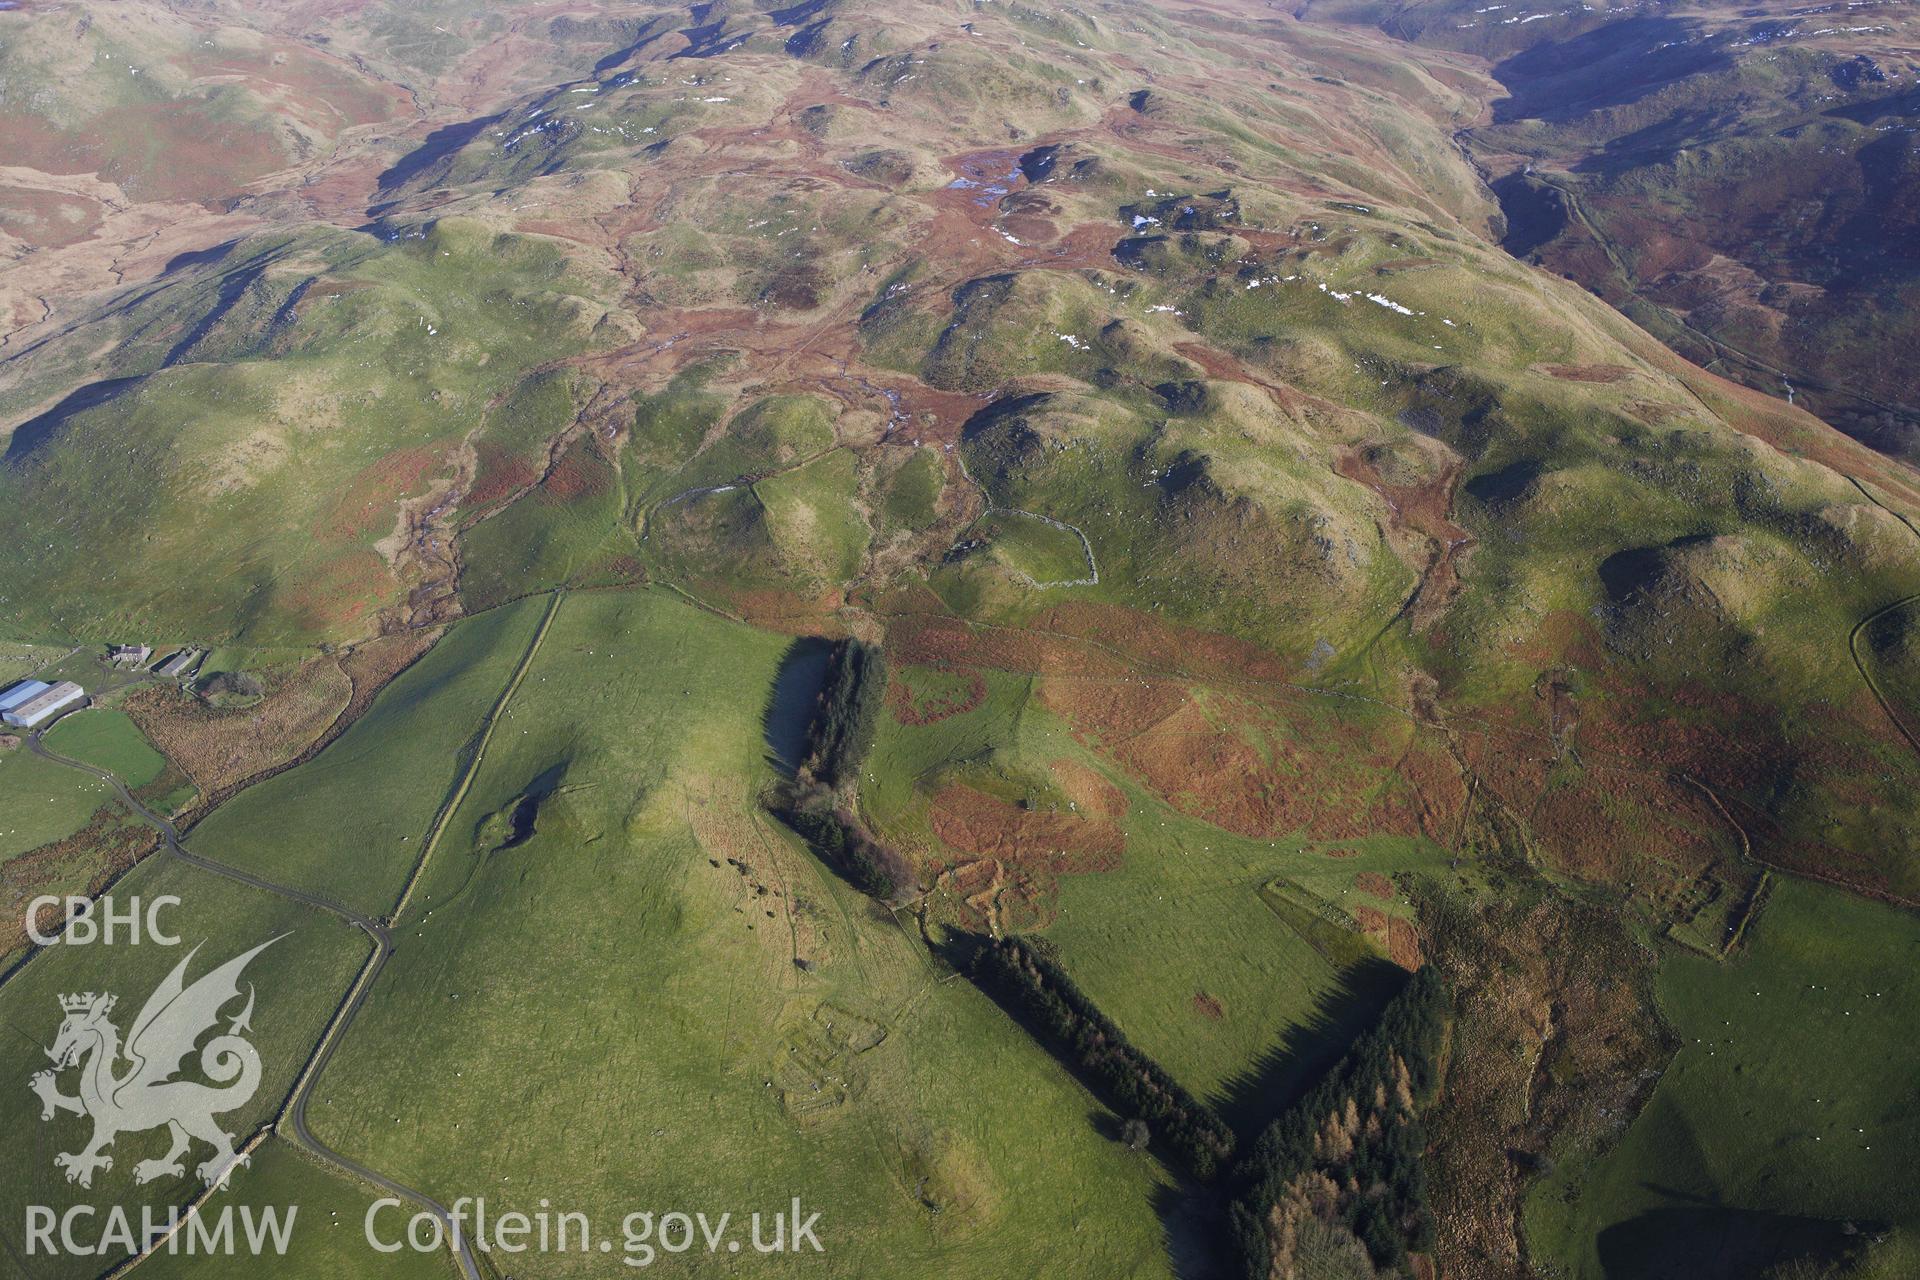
(787, 721)
(1536, 212)
(644, 34)
(1655, 144)
(523, 821)
(1874, 110)
(437, 146)
(1511, 482)
(1626, 574)
(37, 430)
(233, 287)
(1193, 1218)
(198, 257)
(1709, 1242)
(1193, 1226)
(1610, 66)
(1306, 1051)
(795, 14)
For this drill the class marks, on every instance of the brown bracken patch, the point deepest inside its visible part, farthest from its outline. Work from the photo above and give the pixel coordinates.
(107, 846)
(928, 695)
(1263, 768)
(1587, 372)
(366, 505)
(1375, 884)
(1059, 842)
(219, 748)
(1403, 943)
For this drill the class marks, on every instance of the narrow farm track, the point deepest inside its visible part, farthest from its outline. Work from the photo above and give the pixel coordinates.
(293, 1113)
(460, 788)
(1866, 673)
(1860, 628)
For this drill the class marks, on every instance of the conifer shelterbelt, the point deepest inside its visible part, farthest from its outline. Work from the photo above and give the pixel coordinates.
(1135, 1085)
(821, 801)
(856, 689)
(1336, 1186)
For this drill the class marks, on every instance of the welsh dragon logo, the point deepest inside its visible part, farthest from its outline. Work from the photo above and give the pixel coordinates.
(131, 1087)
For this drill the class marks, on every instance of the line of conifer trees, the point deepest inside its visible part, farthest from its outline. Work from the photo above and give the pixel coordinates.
(840, 841)
(1344, 1164)
(838, 740)
(1134, 1084)
(849, 714)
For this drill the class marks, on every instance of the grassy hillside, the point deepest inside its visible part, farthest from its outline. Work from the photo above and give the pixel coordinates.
(612, 831)
(1738, 181)
(273, 459)
(1280, 586)
(165, 108)
(349, 824)
(1784, 1114)
(108, 740)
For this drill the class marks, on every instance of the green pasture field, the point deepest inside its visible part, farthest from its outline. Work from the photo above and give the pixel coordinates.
(1045, 554)
(41, 801)
(1889, 648)
(207, 487)
(1177, 944)
(1790, 1110)
(349, 823)
(602, 957)
(328, 1236)
(768, 435)
(18, 660)
(108, 740)
(542, 542)
(815, 525)
(913, 492)
(298, 982)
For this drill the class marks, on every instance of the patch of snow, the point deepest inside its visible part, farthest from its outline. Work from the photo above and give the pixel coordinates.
(1388, 303)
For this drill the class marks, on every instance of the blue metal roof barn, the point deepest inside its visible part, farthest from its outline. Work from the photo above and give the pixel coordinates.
(19, 693)
(43, 705)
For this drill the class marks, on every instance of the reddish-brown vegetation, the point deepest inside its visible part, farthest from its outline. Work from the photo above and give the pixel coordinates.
(103, 850)
(365, 506)
(500, 474)
(1425, 509)
(1264, 767)
(330, 597)
(47, 219)
(368, 667)
(1374, 923)
(1587, 372)
(1374, 884)
(217, 748)
(580, 473)
(1403, 943)
(1013, 857)
(1057, 843)
(927, 695)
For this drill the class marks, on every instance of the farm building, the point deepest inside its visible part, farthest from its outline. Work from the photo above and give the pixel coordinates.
(130, 655)
(43, 705)
(176, 664)
(19, 693)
